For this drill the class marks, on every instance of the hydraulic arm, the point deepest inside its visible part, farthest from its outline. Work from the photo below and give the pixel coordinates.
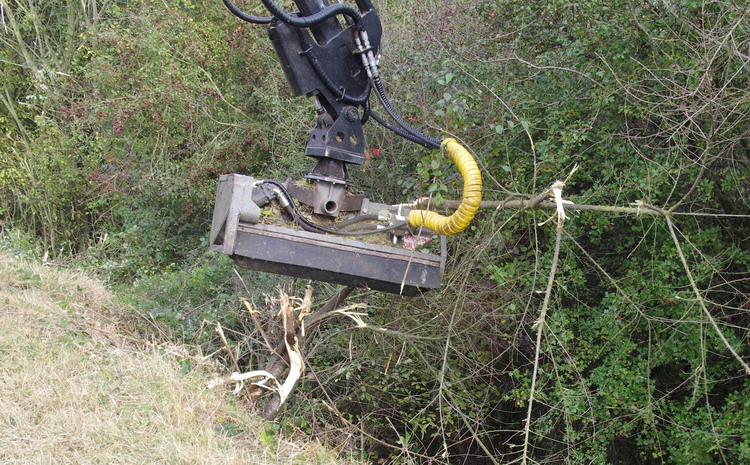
(329, 53)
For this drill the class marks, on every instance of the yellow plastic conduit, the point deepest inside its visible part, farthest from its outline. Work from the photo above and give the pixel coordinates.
(460, 219)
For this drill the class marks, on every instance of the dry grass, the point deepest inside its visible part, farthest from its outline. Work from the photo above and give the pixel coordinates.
(77, 388)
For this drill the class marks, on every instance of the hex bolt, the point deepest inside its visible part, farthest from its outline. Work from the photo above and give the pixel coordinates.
(351, 114)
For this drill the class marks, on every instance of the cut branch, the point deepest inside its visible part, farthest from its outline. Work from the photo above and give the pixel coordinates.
(540, 323)
(286, 354)
(701, 301)
(536, 203)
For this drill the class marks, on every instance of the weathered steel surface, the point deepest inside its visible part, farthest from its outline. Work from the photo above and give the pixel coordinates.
(334, 259)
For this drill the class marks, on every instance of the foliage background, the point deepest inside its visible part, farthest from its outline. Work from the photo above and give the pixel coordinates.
(117, 117)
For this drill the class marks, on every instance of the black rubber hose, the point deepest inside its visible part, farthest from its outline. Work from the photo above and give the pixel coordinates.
(339, 91)
(361, 228)
(368, 233)
(312, 227)
(246, 17)
(365, 112)
(400, 132)
(355, 220)
(429, 141)
(317, 18)
(291, 212)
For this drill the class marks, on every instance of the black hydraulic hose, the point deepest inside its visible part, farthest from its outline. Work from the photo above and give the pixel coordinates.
(291, 212)
(355, 220)
(371, 232)
(308, 225)
(362, 228)
(365, 112)
(246, 17)
(339, 91)
(295, 213)
(317, 18)
(400, 132)
(406, 131)
(429, 141)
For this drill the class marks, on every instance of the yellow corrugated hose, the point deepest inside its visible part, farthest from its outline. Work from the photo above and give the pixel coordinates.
(472, 195)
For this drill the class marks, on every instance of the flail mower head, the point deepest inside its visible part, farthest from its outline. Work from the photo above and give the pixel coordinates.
(330, 53)
(241, 230)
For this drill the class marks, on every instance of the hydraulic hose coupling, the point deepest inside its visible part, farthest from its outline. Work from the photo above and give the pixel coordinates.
(472, 194)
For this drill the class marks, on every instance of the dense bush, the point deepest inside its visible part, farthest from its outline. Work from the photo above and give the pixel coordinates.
(115, 126)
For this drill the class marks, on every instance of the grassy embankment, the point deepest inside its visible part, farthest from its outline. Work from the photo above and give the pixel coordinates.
(80, 386)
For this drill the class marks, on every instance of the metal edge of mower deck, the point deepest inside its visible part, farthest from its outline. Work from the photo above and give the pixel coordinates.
(334, 259)
(235, 231)
(320, 257)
